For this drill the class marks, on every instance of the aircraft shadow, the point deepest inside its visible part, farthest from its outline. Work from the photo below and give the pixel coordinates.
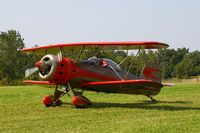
(146, 105)
(178, 102)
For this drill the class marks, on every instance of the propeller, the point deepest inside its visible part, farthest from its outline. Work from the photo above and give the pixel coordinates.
(42, 65)
(30, 71)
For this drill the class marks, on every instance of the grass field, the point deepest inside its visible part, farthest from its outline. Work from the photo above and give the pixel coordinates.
(177, 110)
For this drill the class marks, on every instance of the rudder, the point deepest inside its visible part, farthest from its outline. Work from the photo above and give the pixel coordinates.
(152, 72)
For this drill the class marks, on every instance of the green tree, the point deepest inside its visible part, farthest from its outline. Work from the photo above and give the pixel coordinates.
(169, 58)
(12, 61)
(190, 65)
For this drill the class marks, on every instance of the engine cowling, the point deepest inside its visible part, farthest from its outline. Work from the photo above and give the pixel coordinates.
(47, 66)
(52, 70)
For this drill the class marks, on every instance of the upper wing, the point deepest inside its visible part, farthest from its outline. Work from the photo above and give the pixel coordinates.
(88, 45)
(140, 86)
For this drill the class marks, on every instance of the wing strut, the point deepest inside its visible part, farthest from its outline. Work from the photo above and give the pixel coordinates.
(138, 53)
(124, 58)
(115, 72)
(79, 54)
(122, 61)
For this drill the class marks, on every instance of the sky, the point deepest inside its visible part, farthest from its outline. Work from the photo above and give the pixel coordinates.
(43, 22)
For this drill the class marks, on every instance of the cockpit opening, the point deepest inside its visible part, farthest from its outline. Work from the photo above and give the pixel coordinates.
(104, 62)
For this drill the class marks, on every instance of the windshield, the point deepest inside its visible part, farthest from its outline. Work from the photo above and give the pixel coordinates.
(112, 63)
(109, 61)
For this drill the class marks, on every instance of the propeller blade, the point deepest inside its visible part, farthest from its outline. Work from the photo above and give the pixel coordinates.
(30, 71)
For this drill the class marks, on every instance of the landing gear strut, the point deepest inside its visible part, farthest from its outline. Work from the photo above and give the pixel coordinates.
(79, 101)
(54, 100)
(152, 99)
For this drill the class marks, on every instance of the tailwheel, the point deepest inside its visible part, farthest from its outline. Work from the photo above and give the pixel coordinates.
(152, 99)
(79, 101)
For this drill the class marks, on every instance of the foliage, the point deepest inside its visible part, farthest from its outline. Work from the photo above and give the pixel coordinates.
(12, 61)
(169, 58)
(190, 65)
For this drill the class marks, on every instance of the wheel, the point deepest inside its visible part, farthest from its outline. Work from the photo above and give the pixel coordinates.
(47, 100)
(81, 101)
(153, 100)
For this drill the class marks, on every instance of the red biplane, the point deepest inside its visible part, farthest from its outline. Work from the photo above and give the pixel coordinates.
(92, 74)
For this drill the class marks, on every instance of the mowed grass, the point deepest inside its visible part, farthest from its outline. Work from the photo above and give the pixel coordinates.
(177, 110)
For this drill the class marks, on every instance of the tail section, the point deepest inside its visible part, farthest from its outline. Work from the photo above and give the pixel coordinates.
(152, 72)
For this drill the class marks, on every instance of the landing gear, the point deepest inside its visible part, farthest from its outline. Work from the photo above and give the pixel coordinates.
(80, 101)
(49, 101)
(54, 100)
(152, 99)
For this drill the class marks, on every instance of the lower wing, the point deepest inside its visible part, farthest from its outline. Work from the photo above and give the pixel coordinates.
(38, 82)
(143, 87)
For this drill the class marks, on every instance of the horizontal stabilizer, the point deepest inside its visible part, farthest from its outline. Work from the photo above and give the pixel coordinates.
(167, 84)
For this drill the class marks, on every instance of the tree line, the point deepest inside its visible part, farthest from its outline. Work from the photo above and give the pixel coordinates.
(175, 63)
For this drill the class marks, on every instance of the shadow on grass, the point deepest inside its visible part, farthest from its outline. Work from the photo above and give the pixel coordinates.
(146, 105)
(175, 102)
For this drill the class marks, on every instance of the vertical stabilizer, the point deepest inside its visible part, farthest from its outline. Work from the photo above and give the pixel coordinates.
(152, 72)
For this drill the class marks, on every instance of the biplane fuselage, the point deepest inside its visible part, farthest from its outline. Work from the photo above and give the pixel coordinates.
(81, 74)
